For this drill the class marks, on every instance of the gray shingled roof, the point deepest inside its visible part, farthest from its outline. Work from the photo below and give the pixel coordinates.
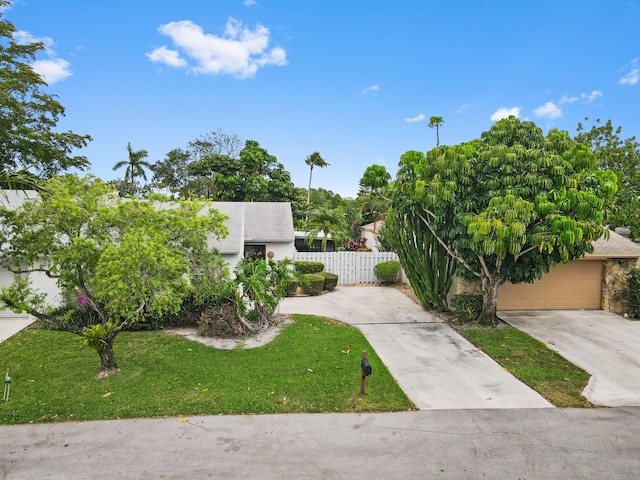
(254, 222)
(616, 247)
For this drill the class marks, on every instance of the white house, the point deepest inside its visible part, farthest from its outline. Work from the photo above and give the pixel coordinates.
(256, 229)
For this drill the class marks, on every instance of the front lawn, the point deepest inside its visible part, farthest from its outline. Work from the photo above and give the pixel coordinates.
(533, 363)
(312, 366)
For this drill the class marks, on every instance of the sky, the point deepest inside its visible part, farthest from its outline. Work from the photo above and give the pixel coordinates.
(354, 80)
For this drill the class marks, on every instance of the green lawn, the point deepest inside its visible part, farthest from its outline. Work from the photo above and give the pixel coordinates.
(529, 360)
(312, 366)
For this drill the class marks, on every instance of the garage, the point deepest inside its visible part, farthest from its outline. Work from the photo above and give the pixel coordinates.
(567, 286)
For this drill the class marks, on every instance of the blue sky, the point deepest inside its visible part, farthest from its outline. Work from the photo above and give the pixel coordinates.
(354, 80)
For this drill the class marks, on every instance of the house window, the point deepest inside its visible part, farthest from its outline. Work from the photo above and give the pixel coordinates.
(255, 252)
(302, 246)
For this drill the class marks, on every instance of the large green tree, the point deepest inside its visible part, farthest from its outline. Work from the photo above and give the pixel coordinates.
(509, 205)
(209, 169)
(622, 157)
(115, 261)
(29, 116)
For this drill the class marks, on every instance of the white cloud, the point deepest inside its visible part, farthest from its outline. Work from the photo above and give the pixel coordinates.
(166, 56)
(248, 3)
(240, 51)
(592, 96)
(372, 88)
(53, 70)
(417, 118)
(463, 108)
(566, 99)
(549, 110)
(504, 112)
(631, 78)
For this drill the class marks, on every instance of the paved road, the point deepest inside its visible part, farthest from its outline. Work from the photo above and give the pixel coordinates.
(435, 444)
(602, 343)
(435, 366)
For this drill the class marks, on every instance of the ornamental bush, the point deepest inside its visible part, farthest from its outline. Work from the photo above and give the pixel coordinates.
(467, 307)
(309, 267)
(316, 284)
(387, 272)
(632, 292)
(330, 280)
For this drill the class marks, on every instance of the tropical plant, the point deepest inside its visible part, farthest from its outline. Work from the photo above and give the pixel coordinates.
(313, 160)
(436, 122)
(135, 165)
(328, 222)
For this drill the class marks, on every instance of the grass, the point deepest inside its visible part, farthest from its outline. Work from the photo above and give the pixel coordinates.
(532, 362)
(312, 366)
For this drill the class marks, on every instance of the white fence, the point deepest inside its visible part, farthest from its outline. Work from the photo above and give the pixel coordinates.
(351, 267)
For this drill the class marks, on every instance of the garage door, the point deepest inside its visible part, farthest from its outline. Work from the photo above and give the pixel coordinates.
(567, 286)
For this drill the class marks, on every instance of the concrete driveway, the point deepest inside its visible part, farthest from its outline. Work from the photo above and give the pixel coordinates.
(435, 366)
(602, 343)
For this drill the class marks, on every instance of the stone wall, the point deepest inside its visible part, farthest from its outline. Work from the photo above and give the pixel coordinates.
(614, 279)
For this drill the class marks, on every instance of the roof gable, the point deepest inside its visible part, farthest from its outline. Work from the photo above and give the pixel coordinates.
(617, 246)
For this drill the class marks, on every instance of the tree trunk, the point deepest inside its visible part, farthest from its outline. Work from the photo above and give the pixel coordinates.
(108, 363)
(490, 287)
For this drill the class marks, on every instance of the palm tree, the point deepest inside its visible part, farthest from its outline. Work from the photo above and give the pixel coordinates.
(329, 222)
(313, 160)
(436, 122)
(19, 180)
(135, 165)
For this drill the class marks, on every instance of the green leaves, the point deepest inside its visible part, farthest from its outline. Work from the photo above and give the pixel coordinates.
(509, 205)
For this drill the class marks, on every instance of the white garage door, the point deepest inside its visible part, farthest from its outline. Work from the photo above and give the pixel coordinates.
(567, 286)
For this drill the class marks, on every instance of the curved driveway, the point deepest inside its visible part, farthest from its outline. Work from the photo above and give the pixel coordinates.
(435, 366)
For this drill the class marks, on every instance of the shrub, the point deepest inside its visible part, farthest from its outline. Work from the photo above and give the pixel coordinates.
(466, 306)
(387, 272)
(309, 267)
(632, 292)
(316, 284)
(330, 280)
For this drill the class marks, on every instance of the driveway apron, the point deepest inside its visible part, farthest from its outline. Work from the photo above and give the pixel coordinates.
(435, 366)
(602, 343)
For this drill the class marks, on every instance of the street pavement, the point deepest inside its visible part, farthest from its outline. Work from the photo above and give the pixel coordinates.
(510, 444)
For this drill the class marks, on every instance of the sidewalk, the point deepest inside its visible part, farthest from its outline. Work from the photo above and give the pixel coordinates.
(11, 326)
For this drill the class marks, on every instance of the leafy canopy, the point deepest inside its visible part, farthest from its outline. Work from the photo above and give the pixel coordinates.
(122, 258)
(509, 205)
(28, 115)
